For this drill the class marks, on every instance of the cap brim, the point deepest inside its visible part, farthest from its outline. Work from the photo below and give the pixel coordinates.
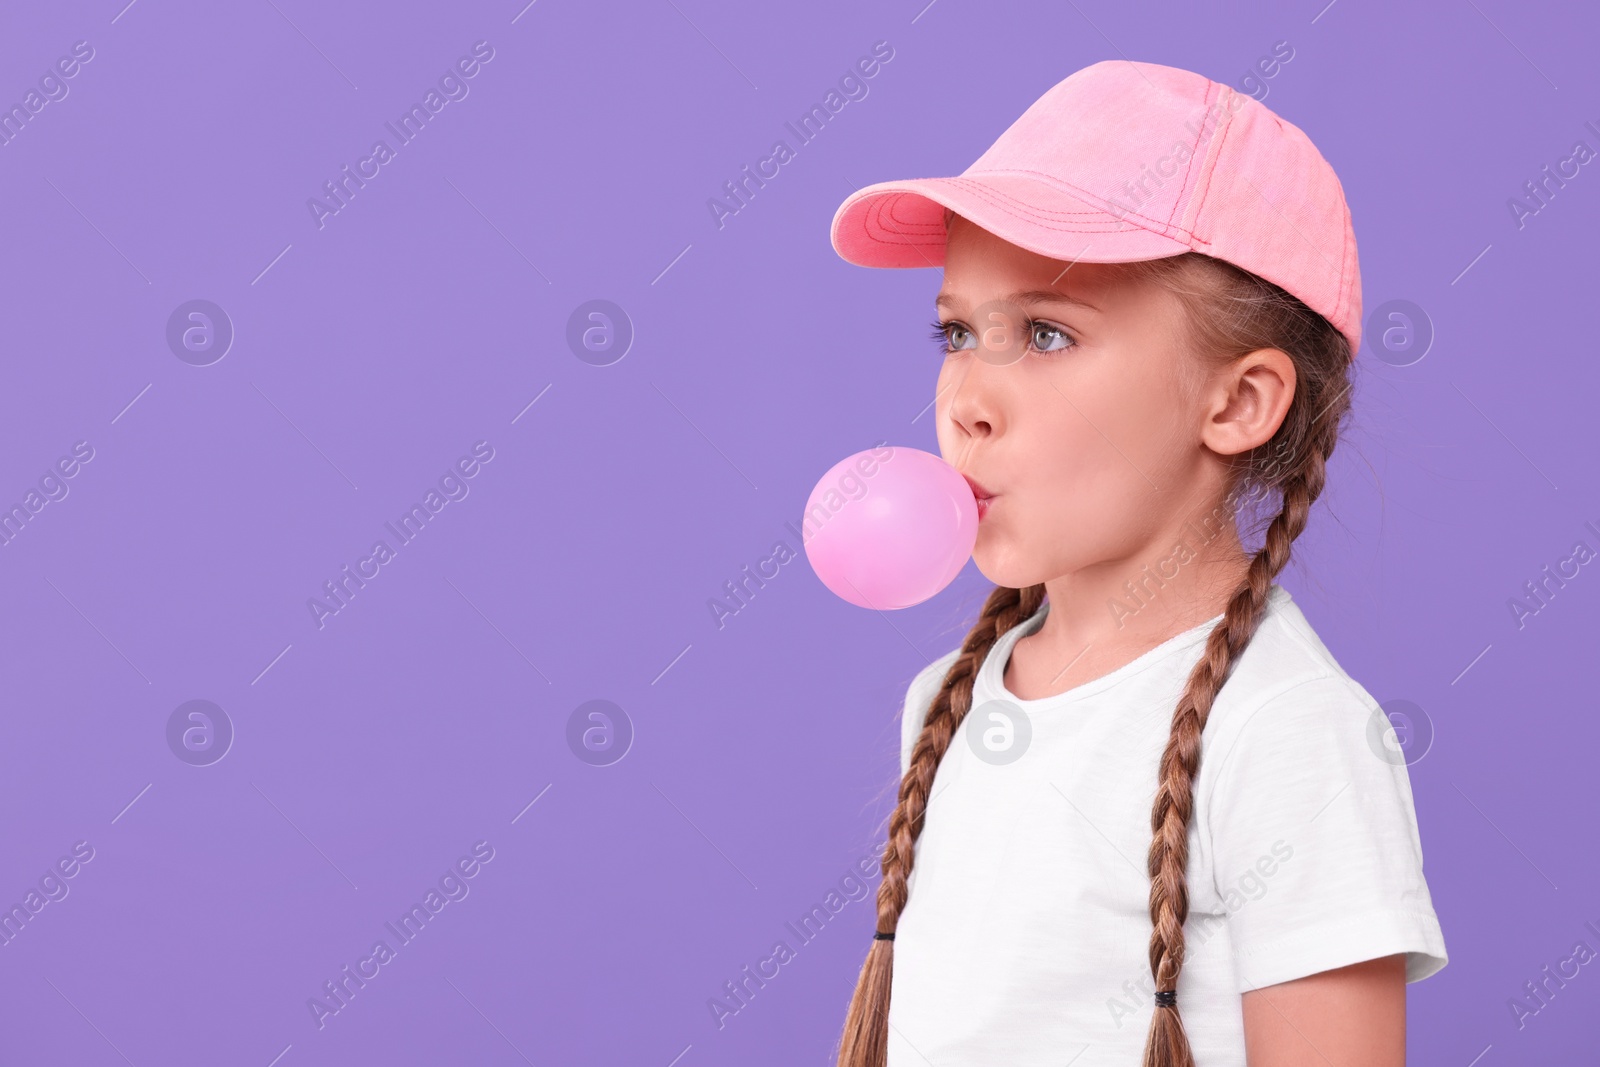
(901, 223)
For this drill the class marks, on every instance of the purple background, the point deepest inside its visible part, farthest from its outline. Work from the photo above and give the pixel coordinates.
(431, 311)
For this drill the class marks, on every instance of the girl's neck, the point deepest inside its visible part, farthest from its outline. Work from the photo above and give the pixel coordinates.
(1108, 615)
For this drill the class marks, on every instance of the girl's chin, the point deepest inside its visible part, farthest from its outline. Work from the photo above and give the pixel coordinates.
(996, 563)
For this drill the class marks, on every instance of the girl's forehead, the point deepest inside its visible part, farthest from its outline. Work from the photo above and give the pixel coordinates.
(1032, 279)
(955, 299)
(980, 265)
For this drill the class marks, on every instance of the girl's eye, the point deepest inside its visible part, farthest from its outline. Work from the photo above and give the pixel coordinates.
(1045, 337)
(953, 337)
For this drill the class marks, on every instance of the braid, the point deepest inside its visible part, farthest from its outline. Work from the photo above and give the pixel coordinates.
(1167, 1045)
(866, 1031)
(1307, 438)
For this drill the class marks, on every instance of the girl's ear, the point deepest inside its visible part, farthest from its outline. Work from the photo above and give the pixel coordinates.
(1247, 401)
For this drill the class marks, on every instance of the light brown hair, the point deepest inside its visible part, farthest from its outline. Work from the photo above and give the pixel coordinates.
(1228, 312)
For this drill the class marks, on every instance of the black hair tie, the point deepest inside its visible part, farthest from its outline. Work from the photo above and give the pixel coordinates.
(881, 936)
(1167, 998)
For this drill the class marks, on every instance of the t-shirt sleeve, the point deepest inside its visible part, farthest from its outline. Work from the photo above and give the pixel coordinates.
(1314, 840)
(919, 695)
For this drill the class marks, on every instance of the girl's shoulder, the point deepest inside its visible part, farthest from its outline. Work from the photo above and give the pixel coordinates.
(1286, 656)
(1298, 756)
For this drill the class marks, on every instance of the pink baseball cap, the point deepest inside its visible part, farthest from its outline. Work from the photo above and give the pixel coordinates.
(1125, 161)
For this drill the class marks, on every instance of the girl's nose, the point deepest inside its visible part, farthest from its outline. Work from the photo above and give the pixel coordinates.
(974, 401)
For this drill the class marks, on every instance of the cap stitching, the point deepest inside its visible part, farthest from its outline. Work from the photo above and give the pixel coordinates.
(1156, 225)
(1041, 216)
(876, 209)
(1194, 153)
(1211, 169)
(886, 206)
(984, 189)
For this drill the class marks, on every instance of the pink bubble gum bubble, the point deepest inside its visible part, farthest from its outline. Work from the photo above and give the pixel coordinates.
(890, 527)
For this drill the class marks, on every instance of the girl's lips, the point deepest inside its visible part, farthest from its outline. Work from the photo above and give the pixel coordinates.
(981, 495)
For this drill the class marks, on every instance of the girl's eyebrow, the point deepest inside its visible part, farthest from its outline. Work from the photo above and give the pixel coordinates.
(1027, 296)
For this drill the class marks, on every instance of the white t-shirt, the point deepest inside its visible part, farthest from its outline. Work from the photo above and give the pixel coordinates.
(1025, 936)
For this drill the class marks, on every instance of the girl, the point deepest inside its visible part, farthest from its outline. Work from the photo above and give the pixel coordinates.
(1150, 306)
